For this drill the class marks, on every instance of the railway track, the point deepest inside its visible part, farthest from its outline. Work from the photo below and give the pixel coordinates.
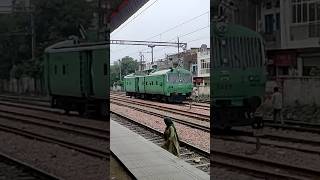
(188, 152)
(196, 115)
(250, 165)
(11, 168)
(266, 167)
(59, 141)
(294, 125)
(16, 115)
(50, 122)
(261, 168)
(273, 136)
(47, 109)
(205, 106)
(289, 124)
(309, 146)
(184, 122)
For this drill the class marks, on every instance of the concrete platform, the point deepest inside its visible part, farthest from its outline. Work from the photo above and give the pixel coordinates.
(148, 161)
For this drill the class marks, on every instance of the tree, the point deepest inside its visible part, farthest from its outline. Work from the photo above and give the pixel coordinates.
(128, 66)
(13, 42)
(55, 20)
(114, 73)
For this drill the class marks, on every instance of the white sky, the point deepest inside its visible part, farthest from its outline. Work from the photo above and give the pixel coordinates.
(158, 16)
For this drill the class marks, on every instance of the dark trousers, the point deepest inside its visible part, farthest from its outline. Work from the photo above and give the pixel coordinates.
(277, 114)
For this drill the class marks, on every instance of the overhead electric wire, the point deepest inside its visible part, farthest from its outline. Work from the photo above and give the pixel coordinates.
(135, 17)
(174, 27)
(186, 34)
(186, 42)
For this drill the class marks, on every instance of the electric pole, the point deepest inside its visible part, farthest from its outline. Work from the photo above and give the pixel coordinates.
(141, 57)
(120, 68)
(178, 52)
(33, 33)
(151, 46)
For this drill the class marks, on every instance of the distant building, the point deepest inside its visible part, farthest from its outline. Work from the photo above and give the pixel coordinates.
(291, 29)
(203, 67)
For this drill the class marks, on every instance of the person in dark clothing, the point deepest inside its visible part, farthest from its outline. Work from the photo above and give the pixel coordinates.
(171, 138)
(277, 105)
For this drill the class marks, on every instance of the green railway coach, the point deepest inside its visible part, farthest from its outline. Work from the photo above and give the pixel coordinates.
(76, 76)
(238, 76)
(169, 85)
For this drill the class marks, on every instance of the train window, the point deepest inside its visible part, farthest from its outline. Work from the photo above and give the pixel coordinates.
(152, 83)
(55, 69)
(64, 69)
(172, 78)
(105, 69)
(160, 83)
(186, 78)
(156, 82)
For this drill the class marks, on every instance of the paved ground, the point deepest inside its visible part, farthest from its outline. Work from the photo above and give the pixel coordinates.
(147, 161)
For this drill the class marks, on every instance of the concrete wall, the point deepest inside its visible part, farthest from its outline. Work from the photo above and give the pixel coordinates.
(204, 90)
(25, 85)
(304, 90)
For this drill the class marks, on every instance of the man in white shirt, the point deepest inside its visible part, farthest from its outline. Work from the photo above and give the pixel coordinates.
(194, 96)
(277, 105)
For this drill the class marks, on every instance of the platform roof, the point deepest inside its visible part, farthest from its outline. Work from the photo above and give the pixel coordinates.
(121, 10)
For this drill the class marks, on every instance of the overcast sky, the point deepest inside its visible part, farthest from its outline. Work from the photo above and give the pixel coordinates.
(156, 17)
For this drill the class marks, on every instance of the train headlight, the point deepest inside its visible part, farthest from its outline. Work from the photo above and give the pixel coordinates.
(253, 78)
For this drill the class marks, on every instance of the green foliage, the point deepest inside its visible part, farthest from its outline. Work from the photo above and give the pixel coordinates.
(13, 42)
(55, 20)
(128, 66)
(114, 74)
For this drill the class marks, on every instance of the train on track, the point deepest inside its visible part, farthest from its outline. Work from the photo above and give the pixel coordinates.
(76, 76)
(238, 76)
(172, 85)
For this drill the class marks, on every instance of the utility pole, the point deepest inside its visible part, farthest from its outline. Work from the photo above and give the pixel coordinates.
(30, 8)
(151, 46)
(33, 33)
(141, 57)
(120, 68)
(178, 53)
